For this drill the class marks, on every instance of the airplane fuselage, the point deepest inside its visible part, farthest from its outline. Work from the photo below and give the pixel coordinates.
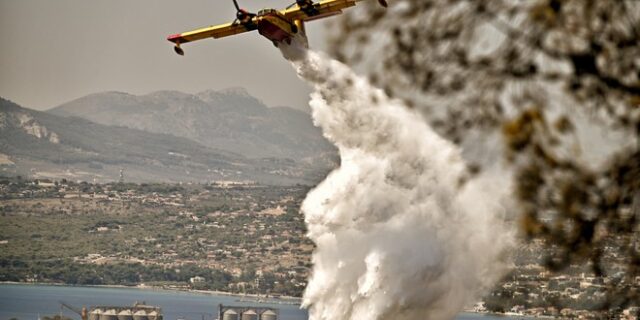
(286, 25)
(275, 27)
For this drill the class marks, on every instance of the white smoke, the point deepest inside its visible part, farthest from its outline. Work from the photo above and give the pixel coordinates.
(399, 233)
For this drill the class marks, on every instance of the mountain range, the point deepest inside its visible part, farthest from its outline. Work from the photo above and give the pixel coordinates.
(229, 119)
(164, 136)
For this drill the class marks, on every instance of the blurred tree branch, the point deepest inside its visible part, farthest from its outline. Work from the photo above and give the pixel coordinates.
(555, 79)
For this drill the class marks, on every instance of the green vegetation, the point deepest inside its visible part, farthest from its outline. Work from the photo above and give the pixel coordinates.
(68, 272)
(242, 238)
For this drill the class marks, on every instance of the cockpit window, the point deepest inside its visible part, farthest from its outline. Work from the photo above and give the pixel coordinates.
(266, 11)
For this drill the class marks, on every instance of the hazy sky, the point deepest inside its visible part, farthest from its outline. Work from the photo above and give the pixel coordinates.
(56, 51)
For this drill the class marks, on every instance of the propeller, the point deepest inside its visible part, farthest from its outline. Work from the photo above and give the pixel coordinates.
(300, 3)
(241, 14)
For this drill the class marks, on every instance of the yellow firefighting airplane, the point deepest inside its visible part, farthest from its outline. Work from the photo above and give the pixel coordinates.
(275, 25)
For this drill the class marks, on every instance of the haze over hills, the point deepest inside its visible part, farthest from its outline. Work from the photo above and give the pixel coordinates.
(228, 119)
(41, 144)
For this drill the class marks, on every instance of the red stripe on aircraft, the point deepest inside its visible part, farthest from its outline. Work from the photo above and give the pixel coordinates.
(176, 38)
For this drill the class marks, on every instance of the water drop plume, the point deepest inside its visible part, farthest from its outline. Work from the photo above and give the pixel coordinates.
(401, 231)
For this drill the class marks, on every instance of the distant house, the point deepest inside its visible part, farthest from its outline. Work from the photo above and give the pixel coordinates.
(196, 279)
(46, 183)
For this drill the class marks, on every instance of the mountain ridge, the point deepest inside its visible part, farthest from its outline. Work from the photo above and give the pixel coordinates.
(229, 119)
(41, 144)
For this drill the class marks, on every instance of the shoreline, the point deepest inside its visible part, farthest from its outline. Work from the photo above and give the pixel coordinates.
(507, 314)
(254, 297)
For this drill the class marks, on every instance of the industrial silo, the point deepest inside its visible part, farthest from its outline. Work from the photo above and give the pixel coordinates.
(249, 315)
(269, 315)
(140, 315)
(109, 315)
(153, 315)
(230, 315)
(95, 314)
(125, 314)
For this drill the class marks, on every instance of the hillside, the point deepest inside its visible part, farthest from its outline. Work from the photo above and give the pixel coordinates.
(230, 120)
(39, 145)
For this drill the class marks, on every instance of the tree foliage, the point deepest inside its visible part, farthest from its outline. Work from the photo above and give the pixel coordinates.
(551, 87)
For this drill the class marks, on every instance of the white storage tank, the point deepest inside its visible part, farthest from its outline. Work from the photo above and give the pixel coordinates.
(269, 315)
(153, 315)
(125, 315)
(95, 314)
(230, 315)
(249, 315)
(140, 315)
(109, 315)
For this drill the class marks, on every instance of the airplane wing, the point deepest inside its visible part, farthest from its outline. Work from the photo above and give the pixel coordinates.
(218, 31)
(320, 10)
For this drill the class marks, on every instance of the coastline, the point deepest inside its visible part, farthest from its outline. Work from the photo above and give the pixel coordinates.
(508, 315)
(249, 298)
(257, 298)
